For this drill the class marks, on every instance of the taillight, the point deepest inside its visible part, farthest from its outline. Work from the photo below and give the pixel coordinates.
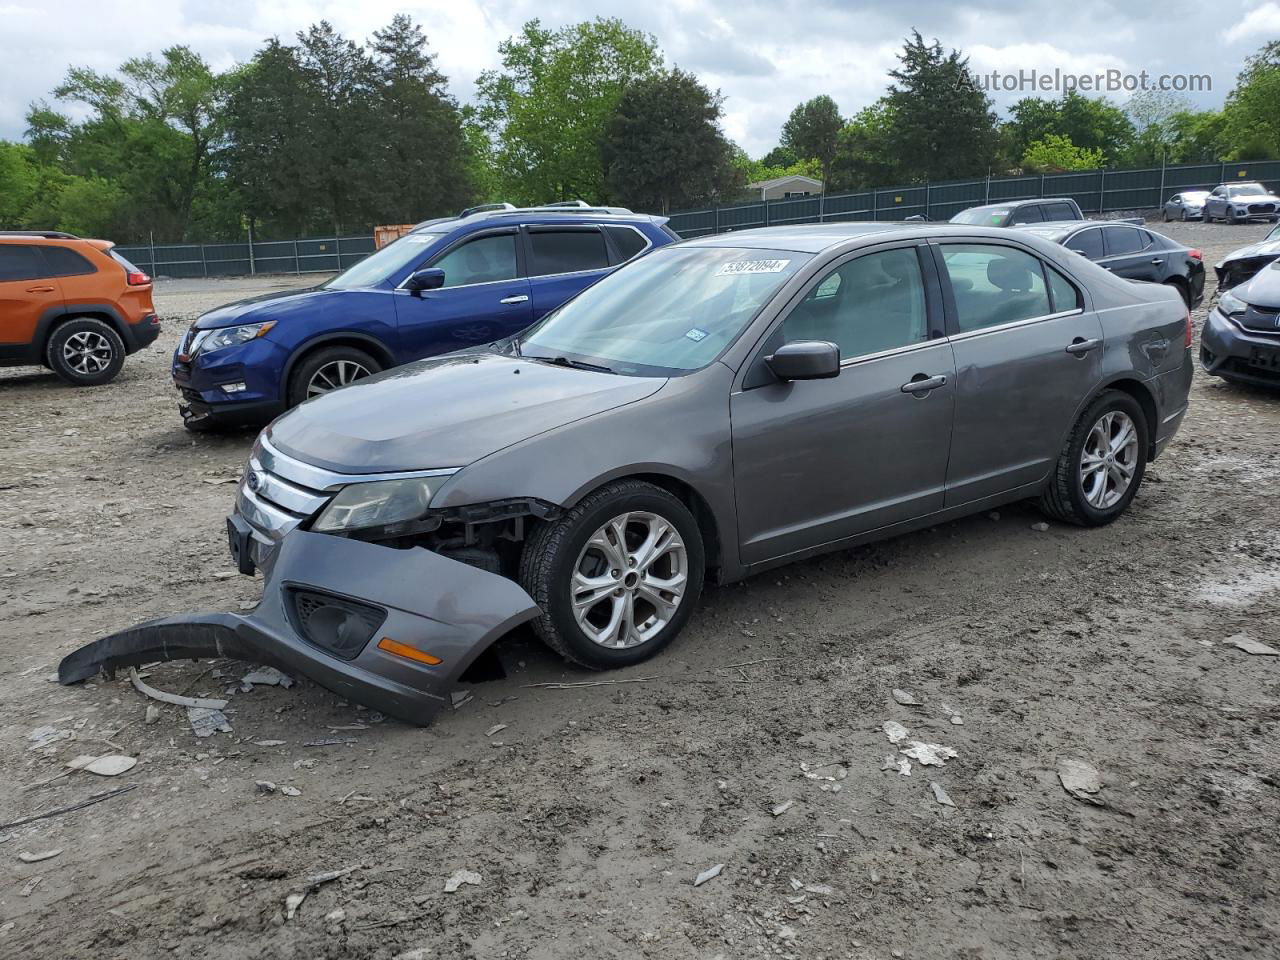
(1188, 343)
(1195, 255)
(136, 278)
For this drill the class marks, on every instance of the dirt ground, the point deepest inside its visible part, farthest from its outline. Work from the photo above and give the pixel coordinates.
(587, 812)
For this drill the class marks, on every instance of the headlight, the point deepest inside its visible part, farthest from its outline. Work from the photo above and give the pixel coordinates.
(378, 504)
(206, 341)
(1231, 305)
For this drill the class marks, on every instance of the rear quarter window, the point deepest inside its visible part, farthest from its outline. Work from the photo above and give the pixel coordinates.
(629, 242)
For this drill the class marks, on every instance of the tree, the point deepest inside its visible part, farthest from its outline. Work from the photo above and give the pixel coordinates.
(1091, 123)
(18, 183)
(547, 108)
(422, 153)
(864, 152)
(663, 147)
(1252, 116)
(943, 125)
(753, 171)
(812, 131)
(1055, 153)
(1199, 136)
(1153, 113)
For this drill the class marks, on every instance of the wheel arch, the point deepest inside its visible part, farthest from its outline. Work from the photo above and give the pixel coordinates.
(1142, 394)
(338, 338)
(55, 317)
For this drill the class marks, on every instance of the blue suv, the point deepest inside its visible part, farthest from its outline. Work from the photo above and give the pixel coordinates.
(452, 283)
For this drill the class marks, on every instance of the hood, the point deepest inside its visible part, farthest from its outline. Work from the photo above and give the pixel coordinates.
(269, 306)
(1266, 248)
(448, 411)
(1255, 198)
(1263, 289)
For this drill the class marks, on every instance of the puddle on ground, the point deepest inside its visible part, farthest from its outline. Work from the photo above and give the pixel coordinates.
(1239, 589)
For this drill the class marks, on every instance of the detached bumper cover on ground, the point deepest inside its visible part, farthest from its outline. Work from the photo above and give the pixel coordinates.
(333, 610)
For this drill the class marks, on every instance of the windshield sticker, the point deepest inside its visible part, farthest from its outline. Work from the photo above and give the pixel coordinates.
(697, 335)
(420, 238)
(751, 266)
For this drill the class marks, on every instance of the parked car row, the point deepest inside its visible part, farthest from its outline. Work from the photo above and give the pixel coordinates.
(712, 409)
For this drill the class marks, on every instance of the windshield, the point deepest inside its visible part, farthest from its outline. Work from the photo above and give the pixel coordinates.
(381, 264)
(981, 215)
(1246, 190)
(671, 311)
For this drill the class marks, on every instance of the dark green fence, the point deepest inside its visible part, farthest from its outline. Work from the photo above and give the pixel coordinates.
(313, 255)
(1097, 191)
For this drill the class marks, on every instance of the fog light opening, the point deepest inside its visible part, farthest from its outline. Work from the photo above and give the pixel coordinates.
(237, 387)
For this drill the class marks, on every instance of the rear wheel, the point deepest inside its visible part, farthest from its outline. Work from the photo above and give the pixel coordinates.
(1102, 464)
(85, 352)
(328, 369)
(617, 577)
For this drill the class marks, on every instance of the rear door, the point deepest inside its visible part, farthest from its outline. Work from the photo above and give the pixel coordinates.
(563, 259)
(26, 291)
(821, 460)
(1027, 353)
(1027, 213)
(485, 297)
(1132, 253)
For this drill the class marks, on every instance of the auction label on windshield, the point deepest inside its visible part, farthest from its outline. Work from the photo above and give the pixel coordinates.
(751, 266)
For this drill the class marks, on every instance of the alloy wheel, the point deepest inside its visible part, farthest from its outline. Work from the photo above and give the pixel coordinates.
(335, 374)
(87, 352)
(1109, 459)
(629, 580)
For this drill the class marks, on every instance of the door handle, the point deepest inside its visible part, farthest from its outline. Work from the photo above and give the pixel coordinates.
(1079, 346)
(522, 298)
(39, 289)
(922, 383)
(1156, 262)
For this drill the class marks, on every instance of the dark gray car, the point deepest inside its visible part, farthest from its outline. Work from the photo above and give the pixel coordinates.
(717, 408)
(1241, 336)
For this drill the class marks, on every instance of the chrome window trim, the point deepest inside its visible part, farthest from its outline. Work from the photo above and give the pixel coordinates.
(462, 242)
(648, 243)
(895, 351)
(330, 481)
(983, 331)
(576, 228)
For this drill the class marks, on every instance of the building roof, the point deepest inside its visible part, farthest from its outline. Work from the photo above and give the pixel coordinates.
(766, 184)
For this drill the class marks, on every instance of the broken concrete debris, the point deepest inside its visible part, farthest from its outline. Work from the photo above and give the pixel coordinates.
(907, 699)
(206, 721)
(900, 764)
(460, 877)
(929, 754)
(940, 794)
(709, 874)
(38, 856)
(1257, 648)
(265, 677)
(781, 808)
(1081, 780)
(895, 731)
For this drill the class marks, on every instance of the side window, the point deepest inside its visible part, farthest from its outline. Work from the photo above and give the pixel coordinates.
(1218, 192)
(1087, 243)
(1059, 211)
(867, 305)
(628, 241)
(1028, 214)
(482, 260)
(1176, 198)
(1122, 241)
(994, 285)
(66, 263)
(1063, 292)
(20, 262)
(566, 251)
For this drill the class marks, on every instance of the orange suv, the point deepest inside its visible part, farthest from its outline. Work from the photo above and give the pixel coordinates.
(72, 305)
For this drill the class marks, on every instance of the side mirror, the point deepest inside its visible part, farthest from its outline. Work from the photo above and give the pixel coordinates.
(431, 278)
(805, 360)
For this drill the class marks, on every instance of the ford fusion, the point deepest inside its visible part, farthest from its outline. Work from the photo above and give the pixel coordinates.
(711, 410)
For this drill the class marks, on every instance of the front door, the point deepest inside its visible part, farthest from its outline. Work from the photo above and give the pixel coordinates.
(26, 291)
(1132, 254)
(1027, 354)
(485, 297)
(821, 460)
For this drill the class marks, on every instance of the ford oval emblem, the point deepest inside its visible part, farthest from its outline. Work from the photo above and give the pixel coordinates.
(253, 481)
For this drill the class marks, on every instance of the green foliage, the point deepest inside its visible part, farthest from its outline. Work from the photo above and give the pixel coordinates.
(754, 171)
(19, 181)
(547, 109)
(943, 127)
(1091, 123)
(864, 151)
(812, 131)
(1253, 108)
(663, 147)
(1056, 153)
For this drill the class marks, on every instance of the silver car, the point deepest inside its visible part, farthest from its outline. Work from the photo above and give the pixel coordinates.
(1188, 205)
(1241, 202)
(714, 409)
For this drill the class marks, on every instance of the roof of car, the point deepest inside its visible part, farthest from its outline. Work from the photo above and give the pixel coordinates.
(551, 213)
(54, 236)
(816, 237)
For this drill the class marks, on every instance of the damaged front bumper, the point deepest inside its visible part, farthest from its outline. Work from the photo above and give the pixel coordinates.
(388, 628)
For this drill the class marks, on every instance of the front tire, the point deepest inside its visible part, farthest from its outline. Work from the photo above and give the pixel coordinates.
(85, 352)
(617, 577)
(1102, 464)
(328, 369)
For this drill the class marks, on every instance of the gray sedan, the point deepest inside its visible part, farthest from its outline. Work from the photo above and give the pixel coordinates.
(715, 409)
(1188, 205)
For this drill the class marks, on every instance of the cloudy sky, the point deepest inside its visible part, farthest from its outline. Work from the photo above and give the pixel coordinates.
(764, 56)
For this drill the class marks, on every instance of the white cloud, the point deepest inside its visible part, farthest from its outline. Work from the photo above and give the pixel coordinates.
(1258, 25)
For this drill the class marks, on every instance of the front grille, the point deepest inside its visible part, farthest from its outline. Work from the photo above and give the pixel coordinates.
(342, 627)
(1262, 208)
(1259, 320)
(1245, 369)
